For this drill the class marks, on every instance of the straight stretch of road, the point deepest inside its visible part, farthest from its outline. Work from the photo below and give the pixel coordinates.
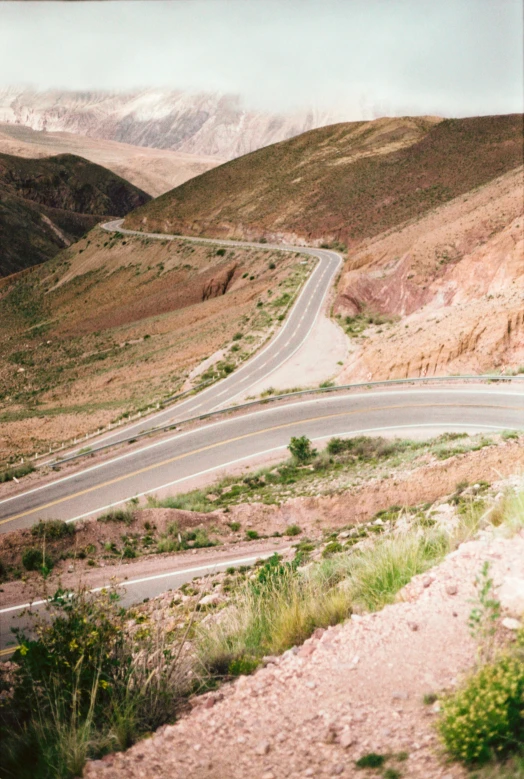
(176, 460)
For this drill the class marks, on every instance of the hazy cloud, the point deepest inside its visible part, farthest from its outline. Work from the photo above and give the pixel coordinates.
(363, 57)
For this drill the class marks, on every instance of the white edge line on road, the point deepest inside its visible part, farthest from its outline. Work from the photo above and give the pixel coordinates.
(300, 345)
(156, 577)
(319, 254)
(270, 451)
(330, 399)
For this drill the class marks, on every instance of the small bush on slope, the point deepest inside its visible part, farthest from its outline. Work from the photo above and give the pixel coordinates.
(84, 687)
(485, 718)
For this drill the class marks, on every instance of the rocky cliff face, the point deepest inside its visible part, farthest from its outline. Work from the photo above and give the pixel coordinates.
(202, 124)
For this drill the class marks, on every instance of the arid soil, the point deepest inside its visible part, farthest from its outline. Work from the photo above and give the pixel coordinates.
(346, 692)
(154, 170)
(453, 279)
(340, 184)
(113, 324)
(87, 548)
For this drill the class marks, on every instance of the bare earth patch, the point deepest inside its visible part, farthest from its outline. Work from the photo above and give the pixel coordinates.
(454, 278)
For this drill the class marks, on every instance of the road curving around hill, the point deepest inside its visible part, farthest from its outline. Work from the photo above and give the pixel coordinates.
(180, 459)
(289, 338)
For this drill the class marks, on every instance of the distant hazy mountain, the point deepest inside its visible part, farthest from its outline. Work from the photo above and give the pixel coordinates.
(201, 124)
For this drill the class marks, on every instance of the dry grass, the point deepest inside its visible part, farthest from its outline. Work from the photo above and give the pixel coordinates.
(116, 324)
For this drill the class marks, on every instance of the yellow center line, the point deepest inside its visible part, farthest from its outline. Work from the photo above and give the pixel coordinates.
(8, 651)
(241, 438)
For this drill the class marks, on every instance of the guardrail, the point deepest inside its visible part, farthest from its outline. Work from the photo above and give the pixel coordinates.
(271, 398)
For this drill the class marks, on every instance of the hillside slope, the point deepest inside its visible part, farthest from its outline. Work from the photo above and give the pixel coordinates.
(341, 183)
(445, 291)
(154, 170)
(116, 323)
(46, 204)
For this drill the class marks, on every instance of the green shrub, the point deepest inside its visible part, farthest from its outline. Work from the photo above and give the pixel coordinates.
(251, 535)
(52, 529)
(3, 571)
(302, 449)
(242, 666)
(371, 760)
(17, 472)
(83, 687)
(220, 252)
(234, 526)
(293, 530)
(332, 548)
(34, 560)
(129, 552)
(117, 515)
(484, 718)
(364, 447)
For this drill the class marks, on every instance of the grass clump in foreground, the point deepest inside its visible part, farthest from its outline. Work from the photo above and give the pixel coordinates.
(85, 687)
(286, 602)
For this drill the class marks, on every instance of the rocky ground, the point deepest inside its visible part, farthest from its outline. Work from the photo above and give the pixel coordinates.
(348, 691)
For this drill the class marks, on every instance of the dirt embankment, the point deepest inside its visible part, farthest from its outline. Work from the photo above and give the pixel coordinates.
(455, 279)
(94, 543)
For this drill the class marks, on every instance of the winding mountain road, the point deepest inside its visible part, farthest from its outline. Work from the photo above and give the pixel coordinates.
(180, 460)
(177, 461)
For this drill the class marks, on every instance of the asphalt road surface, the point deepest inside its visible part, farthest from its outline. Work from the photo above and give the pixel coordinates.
(288, 340)
(175, 461)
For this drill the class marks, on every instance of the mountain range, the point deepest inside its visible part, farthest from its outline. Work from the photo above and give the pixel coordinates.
(203, 124)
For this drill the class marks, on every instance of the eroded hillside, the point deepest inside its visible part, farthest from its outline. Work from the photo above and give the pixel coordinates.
(448, 290)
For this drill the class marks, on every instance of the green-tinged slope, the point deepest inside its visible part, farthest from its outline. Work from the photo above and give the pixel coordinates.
(46, 204)
(344, 182)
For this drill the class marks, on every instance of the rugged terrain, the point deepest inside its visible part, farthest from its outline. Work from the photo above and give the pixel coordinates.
(445, 291)
(153, 170)
(201, 124)
(431, 214)
(342, 183)
(114, 324)
(373, 684)
(47, 204)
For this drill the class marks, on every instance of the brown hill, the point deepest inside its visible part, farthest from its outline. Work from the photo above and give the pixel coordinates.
(48, 203)
(340, 183)
(114, 323)
(154, 170)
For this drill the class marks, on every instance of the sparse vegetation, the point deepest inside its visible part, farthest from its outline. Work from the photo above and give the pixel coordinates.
(484, 719)
(16, 473)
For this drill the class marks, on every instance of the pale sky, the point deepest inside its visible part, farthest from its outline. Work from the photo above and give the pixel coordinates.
(447, 57)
